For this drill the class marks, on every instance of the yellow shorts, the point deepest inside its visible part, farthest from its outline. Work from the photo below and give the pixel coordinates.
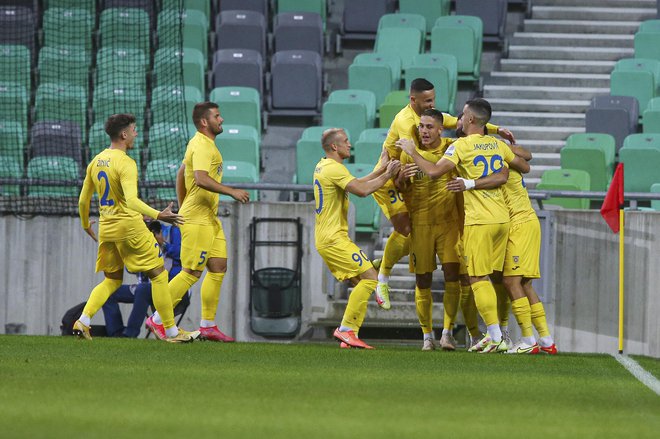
(523, 250)
(485, 245)
(201, 242)
(428, 241)
(345, 259)
(139, 253)
(390, 200)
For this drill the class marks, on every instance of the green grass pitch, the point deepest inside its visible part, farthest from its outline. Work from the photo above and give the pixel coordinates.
(60, 387)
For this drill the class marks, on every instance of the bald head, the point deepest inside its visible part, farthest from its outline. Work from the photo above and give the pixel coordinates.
(331, 136)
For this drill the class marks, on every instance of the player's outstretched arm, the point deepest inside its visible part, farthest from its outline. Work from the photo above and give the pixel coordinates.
(181, 185)
(491, 181)
(204, 180)
(521, 152)
(433, 170)
(520, 165)
(167, 216)
(362, 188)
(406, 172)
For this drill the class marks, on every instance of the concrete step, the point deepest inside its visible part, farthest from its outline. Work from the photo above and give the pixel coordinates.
(402, 314)
(570, 53)
(531, 184)
(592, 13)
(540, 105)
(531, 92)
(601, 3)
(407, 294)
(556, 65)
(538, 146)
(551, 79)
(571, 39)
(507, 118)
(538, 170)
(543, 133)
(545, 159)
(582, 26)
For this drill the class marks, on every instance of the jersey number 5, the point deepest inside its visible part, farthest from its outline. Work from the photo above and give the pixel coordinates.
(105, 201)
(493, 163)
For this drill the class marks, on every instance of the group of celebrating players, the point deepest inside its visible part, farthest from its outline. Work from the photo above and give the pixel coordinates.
(461, 199)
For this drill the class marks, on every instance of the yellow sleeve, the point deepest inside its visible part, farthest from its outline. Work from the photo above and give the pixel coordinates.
(452, 153)
(449, 122)
(507, 154)
(129, 186)
(340, 176)
(390, 140)
(202, 159)
(85, 198)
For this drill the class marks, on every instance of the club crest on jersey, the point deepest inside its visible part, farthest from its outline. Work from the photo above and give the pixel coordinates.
(516, 259)
(450, 151)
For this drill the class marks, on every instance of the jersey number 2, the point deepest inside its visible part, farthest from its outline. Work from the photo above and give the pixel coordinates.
(105, 201)
(493, 162)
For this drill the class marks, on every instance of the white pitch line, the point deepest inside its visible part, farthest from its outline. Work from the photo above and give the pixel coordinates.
(639, 372)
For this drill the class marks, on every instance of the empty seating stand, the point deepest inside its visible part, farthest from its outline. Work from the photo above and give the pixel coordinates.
(298, 31)
(461, 36)
(361, 17)
(241, 30)
(260, 6)
(243, 68)
(296, 83)
(614, 115)
(492, 14)
(641, 156)
(378, 73)
(566, 180)
(591, 152)
(57, 138)
(18, 26)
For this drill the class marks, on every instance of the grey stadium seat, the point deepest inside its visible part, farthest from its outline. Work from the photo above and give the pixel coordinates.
(361, 17)
(298, 31)
(241, 30)
(245, 5)
(491, 12)
(628, 103)
(296, 83)
(612, 121)
(17, 26)
(242, 68)
(57, 138)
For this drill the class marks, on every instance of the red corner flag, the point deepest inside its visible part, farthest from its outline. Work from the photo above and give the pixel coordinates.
(614, 200)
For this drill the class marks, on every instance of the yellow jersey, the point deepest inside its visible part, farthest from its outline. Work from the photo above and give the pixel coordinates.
(428, 200)
(200, 205)
(113, 175)
(330, 181)
(517, 199)
(477, 156)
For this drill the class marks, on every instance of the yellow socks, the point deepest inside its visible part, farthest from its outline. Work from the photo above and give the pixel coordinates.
(356, 308)
(503, 304)
(486, 300)
(523, 313)
(211, 294)
(160, 294)
(99, 296)
(538, 318)
(397, 246)
(424, 305)
(469, 309)
(450, 301)
(179, 285)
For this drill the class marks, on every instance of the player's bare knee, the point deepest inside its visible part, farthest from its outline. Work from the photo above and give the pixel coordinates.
(451, 271)
(217, 265)
(196, 273)
(370, 274)
(496, 277)
(155, 272)
(401, 223)
(424, 281)
(114, 275)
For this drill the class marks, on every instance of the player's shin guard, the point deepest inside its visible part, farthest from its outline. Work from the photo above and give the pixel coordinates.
(397, 246)
(523, 314)
(160, 294)
(503, 304)
(538, 319)
(99, 295)
(211, 286)
(450, 301)
(469, 310)
(486, 300)
(356, 308)
(179, 285)
(424, 305)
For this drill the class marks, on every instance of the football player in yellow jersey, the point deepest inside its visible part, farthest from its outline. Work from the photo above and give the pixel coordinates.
(332, 184)
(404, 126)
(203, 242)
(486, 215)
(123, 237)
(436, 225)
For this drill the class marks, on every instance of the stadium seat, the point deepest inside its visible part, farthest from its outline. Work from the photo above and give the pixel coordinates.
(10, 168)
(415, 21)
(57, 138)
(641, 156)
(593, 153)
(614, 115)
(12, 141)
(641, 64)
(99, 140)
(640, 84)
(62, 102)
(14, 101)
(426, 65)
(162, 171)
(53, 61)
(234, 171)
(358, 96)
(203, 6)
(353, 110)
(491, 12)
(430, 10)
(298, 31)
(239, 105)
(317, 6)
(308, 154)
(174, 104)
(646, 40)
(245, 5)
(241, 30)
(64, 169)
(360, 18)
(15, 65)
(394, 102)
(125, 28)
(87, 5)
(370, 145)
(296, 83)
(240, 143)
(169, 140)
(651, 116)
(655, 204)
(194, 34)
(627, 103)
(378, 73)
(148, 6)
(406, 42)
(167, 68)
(241, 68)
(566, 180)
(367, 212)
(461, 36)
(119, 67)
(68, 27)
(108, 100)
(18, 26)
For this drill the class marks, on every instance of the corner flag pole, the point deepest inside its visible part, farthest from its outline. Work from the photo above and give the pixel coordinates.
(621, 278)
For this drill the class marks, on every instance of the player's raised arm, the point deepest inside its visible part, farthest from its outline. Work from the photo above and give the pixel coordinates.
(515, 162)
(491, 181)
(521, 152)
(433, 170)
(362, 188)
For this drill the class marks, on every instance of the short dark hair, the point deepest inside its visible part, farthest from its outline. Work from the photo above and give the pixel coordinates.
(435, 114)
(481, 109)
(419, 85)
(201, 110)
(155, 226)
(118, 123)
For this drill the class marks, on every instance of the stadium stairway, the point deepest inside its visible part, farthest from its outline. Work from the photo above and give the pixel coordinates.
(561, 60)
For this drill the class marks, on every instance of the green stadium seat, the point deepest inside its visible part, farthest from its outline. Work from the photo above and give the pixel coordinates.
(646, 44)
(461, 36)
(655, 204)
(169, 140)
(394, 102)
(350, 111)
(194, 34)
(378, 73)
(167, 68)
(68, 27)
(427, 66)
(87, 5)
(415, 21)
(308, 154)
(126, 28)
(162, 170)
(12, 140)
(370, 145)
(99, 140)
(591, 152)
(119, 67)
(406, 42)
(62, 102)
(10, 168)
(566, 180)
(174, 104)
(367, 212)
(15, 64)
(203, 6)
(14, 101)
(431, 10)
(651, 116)
(54, 168)
(108, 100)
(358, 96)
(318, 6)
(638, 84)
(236, 171)
(54, 61)
(641, 156)
(239, 143)
(239, 105)
(641, 64)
